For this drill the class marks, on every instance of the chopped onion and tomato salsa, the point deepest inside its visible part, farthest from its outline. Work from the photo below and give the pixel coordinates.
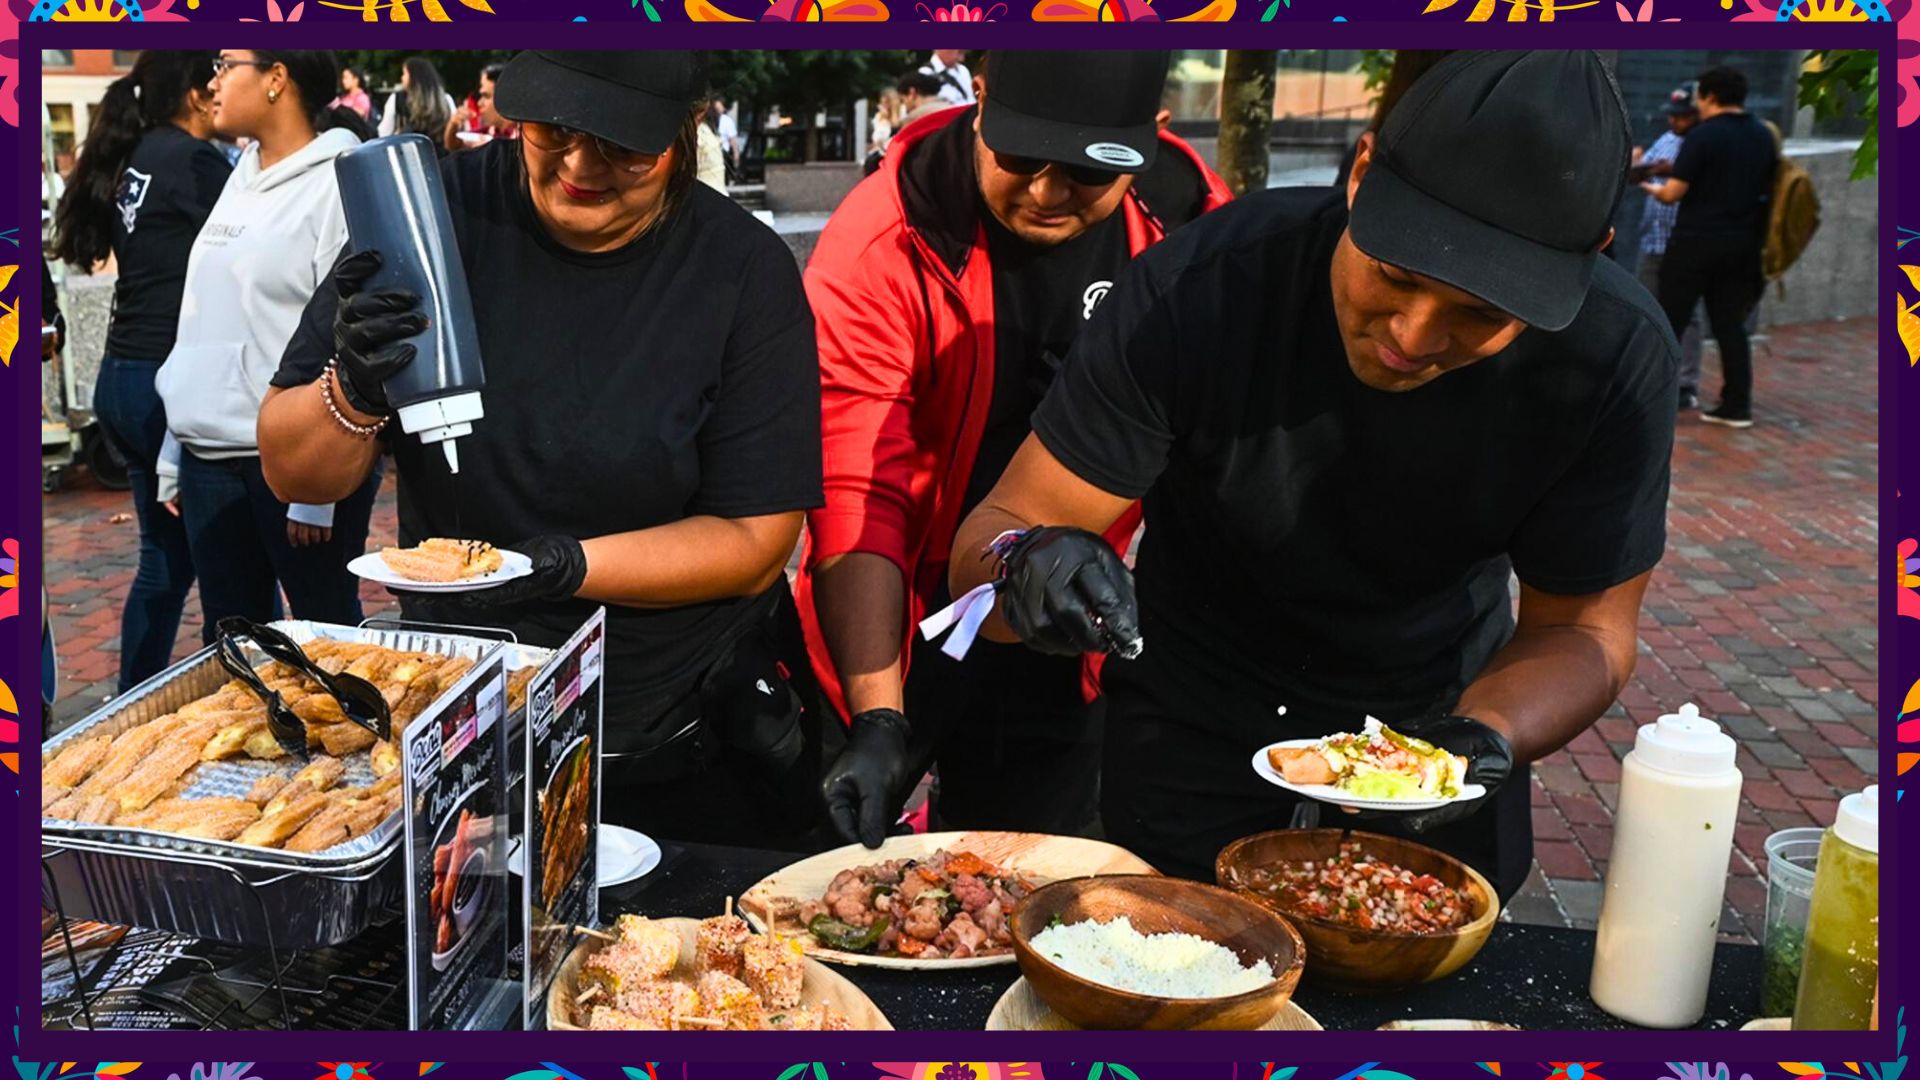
(1357, 889)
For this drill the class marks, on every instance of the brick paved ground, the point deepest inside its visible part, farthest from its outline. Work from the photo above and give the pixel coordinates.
(1762, 613)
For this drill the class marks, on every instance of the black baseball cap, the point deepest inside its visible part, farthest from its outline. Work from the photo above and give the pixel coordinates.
(1681, 102)
(638, 100)
(1497, 173)
(1094, 108)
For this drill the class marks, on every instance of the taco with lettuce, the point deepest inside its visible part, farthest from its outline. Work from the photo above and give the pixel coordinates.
(1376, 763)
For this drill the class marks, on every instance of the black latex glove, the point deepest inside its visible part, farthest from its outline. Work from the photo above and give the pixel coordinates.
(559, 568)
(366, 327)
(1066, 591)
(863, 786)
(1489, 763)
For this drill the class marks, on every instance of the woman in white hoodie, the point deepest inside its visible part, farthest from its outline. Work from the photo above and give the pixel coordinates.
(268, 243)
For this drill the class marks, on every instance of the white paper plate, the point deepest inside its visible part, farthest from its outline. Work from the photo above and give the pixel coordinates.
(624, 856)
(1327, 793)
(1040, 857)
(375, 569)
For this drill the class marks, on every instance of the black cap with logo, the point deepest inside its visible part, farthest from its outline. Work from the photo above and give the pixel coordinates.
(1497, 173)
(1094, 108)
(1680, 102)
(638, 100)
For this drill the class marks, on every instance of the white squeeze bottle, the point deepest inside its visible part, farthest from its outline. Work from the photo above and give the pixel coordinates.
(1667, 872)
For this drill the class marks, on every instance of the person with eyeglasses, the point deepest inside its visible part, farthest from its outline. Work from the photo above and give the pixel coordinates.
(946, 288)
(651, 436)
(268, 242)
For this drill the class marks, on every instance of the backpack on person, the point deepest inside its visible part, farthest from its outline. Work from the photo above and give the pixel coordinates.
(1793, 214)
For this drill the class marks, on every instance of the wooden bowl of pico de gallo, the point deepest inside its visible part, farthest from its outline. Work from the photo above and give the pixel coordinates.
(1377, 912)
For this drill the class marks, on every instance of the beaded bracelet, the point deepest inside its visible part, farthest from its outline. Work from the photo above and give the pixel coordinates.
(1002, 546)
(359, 431)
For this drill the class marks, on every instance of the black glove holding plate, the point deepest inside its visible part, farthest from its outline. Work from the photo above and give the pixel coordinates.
(1489, 763)
(366, 328)
(1066, 591)
(559, 569)
(864, 785)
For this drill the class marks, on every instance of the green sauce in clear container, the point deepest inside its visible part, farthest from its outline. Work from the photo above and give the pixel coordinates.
(1843, 925)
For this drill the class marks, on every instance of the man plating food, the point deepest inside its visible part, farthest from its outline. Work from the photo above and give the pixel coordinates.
(945, 290)
(1349, 420)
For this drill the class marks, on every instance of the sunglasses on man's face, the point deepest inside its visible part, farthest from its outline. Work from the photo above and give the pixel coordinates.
(1083, 175)
(560, 139)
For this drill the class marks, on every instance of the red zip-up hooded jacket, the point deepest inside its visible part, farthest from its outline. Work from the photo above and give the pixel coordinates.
(902, 296)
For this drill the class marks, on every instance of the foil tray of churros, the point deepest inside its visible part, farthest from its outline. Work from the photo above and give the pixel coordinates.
(173, 805)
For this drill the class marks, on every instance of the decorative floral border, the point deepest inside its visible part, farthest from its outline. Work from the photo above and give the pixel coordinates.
(19, 642)
(1799, 12)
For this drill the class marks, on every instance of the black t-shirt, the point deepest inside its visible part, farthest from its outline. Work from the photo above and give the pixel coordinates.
(166, 192)
(1317, 551)
(1043, 295)
(1315, 543)
(1728, 164)
(672, 378)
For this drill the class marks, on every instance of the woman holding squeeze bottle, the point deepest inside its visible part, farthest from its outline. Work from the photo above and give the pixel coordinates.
(652, 462)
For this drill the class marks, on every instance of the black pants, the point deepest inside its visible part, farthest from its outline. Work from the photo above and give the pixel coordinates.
(1018, 747)
(132, 415)
(237, 531)
(1724, 271)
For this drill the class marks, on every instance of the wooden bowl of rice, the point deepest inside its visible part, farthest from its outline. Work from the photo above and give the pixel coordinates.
(1155, 905)
(1345, 956)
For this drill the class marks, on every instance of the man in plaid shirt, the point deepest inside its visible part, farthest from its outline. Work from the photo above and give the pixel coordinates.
(1656, 224)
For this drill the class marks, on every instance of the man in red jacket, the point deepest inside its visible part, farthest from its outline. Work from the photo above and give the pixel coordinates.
(945, 289)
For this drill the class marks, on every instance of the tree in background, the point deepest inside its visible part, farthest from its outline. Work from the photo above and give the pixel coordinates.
(1246, 119)
(1834, 83)
(805, 81)
(1247, 95)
(801, 82)
(1846, 83)
(1375, 64)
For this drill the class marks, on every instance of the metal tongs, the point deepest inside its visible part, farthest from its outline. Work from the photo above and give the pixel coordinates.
(360, 701)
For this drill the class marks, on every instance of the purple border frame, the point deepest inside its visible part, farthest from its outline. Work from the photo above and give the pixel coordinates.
(21, 645)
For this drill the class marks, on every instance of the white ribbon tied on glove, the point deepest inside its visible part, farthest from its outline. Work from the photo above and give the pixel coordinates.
(963, 617)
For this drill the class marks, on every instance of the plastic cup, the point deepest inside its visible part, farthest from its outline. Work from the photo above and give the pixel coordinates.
(1791, 854)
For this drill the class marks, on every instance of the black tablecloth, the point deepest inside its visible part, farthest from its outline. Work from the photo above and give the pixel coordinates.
(1533, 977)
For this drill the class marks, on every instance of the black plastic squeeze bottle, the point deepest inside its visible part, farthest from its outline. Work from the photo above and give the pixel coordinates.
(391, 192)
